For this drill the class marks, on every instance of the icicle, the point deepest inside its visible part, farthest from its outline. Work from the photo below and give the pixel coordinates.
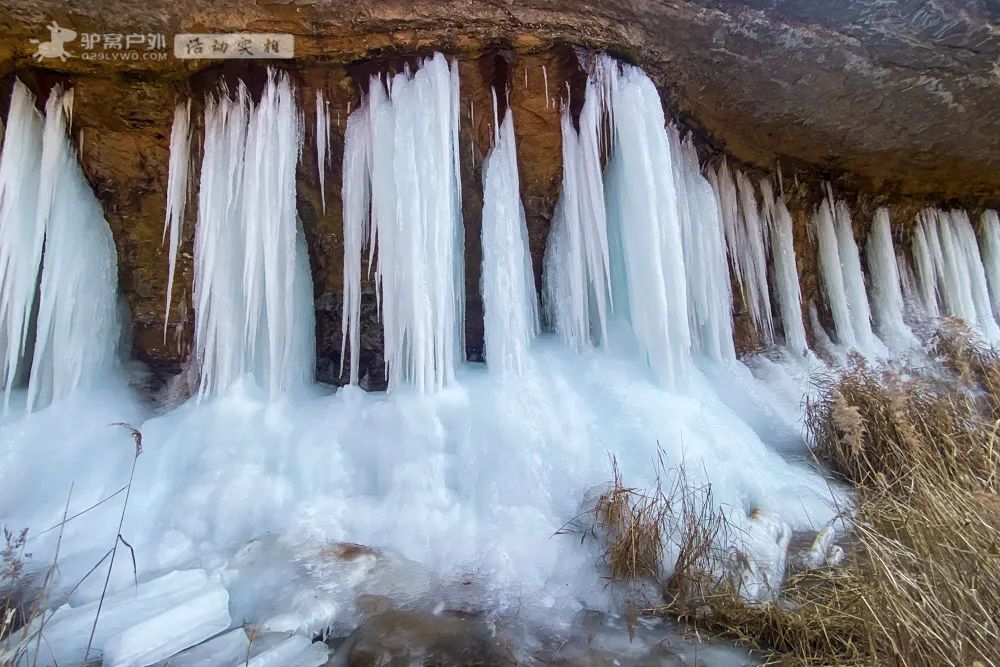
(177, 195)
(840, 268)
(472, 133)
(887, 294)
(77, 327)
(648, 263)
(322, 144)
(832, 274)
(926, 265)
(747, 242)
(416, 222)
(969, 255)
(357, 202)
(786, 276)
(508, 284)
(21, 233)
(577, 275)
(990, 236)
(854, 281)
(253, 293)
(951, 271)
(710, 300)
(545, 77)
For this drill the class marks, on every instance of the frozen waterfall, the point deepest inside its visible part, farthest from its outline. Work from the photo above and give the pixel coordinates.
(71, 334)
(253, 289)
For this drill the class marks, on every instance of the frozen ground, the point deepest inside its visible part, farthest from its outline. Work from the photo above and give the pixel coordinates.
(462, 488)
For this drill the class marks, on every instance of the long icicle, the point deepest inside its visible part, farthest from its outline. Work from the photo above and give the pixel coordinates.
(508, 284)
(786, 275)
(21, 234)
(177, 196)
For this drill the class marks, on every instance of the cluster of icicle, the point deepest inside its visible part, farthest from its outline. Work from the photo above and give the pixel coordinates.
(646, 240)
(402, 199)
(639, 235)
(953, 278)
(252, 284)
(58, 268)
(508, 283)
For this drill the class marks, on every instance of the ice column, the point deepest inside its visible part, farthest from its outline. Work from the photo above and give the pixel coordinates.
(747, 241)
(990, 236)
(508, 284)
(786, 275)
(887, 295)
(415, 223)
(253, 291)
(648, 272)
(177, 195)
(843, 282)
(322, 144)
(710, 301)
(577, 276)
(45, 202)
(950, 269)
(21, 233)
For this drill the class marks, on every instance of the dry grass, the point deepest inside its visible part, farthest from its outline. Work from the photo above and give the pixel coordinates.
(637, 526)
(921, 582)
(12, 559)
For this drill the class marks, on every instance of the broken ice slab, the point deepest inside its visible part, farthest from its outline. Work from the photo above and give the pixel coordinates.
(226, 650)
(172, 605)
(174, 630)
(295, 651)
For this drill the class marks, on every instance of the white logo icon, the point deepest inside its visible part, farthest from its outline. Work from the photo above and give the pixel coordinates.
(56, 46)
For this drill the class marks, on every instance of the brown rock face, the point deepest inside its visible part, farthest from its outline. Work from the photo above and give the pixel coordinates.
(895, 102)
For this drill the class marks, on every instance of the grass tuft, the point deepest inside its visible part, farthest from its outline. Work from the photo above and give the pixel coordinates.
(920, 584)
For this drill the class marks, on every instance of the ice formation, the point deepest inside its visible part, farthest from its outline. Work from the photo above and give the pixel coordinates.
(887, 294)
(950, 269)
(648, 274)
(253, 289)
(71, 334)
(322, 144)
(576, 276)
(416, 221)
(709, 299)
(508, 283)
(357, 206)
(747, 240)
(21, 233)
(843, 281)
(177, 195)
(786, 273)
(456, 480)
(990, 235)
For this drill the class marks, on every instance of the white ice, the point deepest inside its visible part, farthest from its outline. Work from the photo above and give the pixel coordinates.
(786, 274)
(508, 283)
(843, 281)
(416, 222)
(177, 195)
(990, 240)
(887, 294)
(72, 337)
(253, 289)
(456, 475)
(950, 269)
(576, 276)
(648, 275)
